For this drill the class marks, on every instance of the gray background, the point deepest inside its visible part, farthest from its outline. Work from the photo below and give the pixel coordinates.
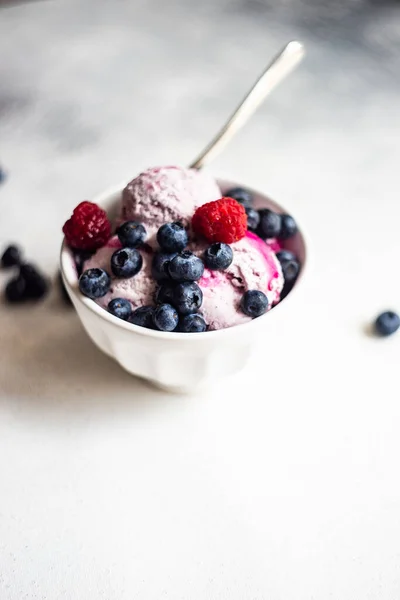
(282, 484)
(92, 92)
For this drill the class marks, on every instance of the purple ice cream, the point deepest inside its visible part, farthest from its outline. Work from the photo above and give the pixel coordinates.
(139, 290)
(254, 267)
(166, 194)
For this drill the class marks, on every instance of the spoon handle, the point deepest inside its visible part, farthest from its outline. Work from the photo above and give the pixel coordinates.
(276, 71)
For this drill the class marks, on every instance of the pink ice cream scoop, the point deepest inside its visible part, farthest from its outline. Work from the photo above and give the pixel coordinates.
(166, 194)
(254, 267)
(139, 290)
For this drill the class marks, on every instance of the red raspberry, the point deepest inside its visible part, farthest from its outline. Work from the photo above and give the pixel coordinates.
(88, 228)
(223, 220)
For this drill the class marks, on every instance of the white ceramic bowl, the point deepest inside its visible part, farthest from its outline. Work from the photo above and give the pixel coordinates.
(179, 362)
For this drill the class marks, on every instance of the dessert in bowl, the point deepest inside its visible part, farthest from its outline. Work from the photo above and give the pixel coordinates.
(181, 275)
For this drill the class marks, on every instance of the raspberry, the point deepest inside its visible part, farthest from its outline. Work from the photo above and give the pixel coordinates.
(223, 220)
(88, 228)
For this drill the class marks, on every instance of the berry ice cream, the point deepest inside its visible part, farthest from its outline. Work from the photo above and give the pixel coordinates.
(139, 290)
(165, 195)
(183, 258)
(254, 267)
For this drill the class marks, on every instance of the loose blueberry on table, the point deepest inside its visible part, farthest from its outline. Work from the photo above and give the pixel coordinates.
(37, 284)
(12, 257)
(30, 284)
(15, 290)
(387, 323)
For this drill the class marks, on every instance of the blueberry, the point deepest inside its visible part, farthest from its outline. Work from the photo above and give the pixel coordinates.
(253, 218)
(193, 323)
(94, 283)
(30, 284)
(218, 256)
(284, 255)
(165, 293)
(290, 270)
(387, 323)
(270, 224)
(12, 257)
(120, 307)
(187, 298)
(131, 234)
(37, 285)
(165, 317)
(288, 227)
(186, 266)
(63, 290)
(241, 195)
(172, 237)
(143, 317)
(126, 262)
(15, 291)
(159, 267)
(2, 175)
(287, 287)
(254, 303)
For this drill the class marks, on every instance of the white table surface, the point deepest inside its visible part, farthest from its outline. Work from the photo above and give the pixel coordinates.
(283, 484)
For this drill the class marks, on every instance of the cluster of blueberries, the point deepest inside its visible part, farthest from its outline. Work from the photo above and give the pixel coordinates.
(178, 297)
(264, 222)
(28, 283)
(268, 224)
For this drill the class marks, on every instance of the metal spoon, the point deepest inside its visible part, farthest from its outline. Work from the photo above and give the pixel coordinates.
(276, 71)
